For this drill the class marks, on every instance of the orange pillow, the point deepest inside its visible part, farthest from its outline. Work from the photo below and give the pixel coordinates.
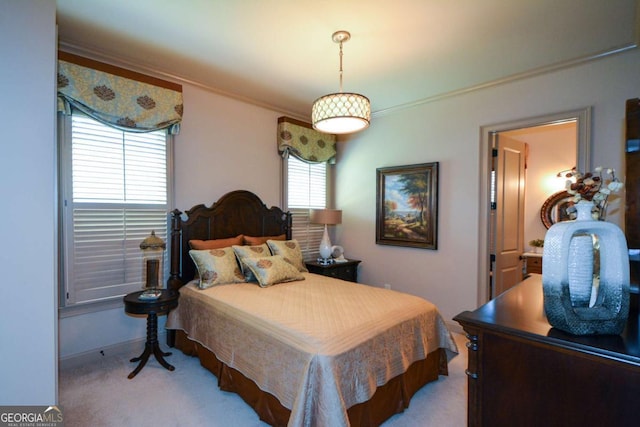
(255, 241)
(215, 243)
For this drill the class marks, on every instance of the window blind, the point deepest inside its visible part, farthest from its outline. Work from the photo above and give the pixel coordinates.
(306, 189)
(116, 195)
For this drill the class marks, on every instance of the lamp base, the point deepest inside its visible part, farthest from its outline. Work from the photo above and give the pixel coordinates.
(325, 261)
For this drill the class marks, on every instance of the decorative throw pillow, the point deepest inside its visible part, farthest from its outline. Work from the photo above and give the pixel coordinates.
(273, 269)
(216, 267)
(216, 243)
(245, 252)
(253, 241)
(290, 251)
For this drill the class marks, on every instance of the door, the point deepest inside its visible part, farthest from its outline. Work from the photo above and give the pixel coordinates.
(487, 215)
(508, 212)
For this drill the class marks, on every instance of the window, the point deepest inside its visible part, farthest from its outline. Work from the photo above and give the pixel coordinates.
(305, 188)
(114, 191)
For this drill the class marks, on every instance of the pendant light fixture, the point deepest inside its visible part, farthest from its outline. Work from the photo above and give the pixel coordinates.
(342, 112)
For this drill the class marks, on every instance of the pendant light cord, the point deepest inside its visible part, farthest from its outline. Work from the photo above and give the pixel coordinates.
(340, 66)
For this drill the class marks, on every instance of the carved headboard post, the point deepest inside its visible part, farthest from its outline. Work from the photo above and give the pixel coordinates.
(288, 220)
(175, 281)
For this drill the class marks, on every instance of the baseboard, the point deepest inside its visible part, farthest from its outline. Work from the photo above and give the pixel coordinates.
(130, 348)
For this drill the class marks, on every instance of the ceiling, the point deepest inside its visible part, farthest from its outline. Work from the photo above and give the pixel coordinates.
(279, 53)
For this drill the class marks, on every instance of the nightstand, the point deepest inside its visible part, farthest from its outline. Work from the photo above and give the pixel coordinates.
(152, 309)
(532, 262)
(340, 270)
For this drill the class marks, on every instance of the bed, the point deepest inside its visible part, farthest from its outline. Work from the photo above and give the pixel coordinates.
(308, 350)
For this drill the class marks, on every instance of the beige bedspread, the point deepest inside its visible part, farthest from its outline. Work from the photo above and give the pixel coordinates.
(329, 342)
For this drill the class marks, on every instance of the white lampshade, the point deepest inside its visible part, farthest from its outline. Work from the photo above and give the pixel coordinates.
(340, 113)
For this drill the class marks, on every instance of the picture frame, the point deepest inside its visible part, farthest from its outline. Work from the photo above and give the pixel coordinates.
(557, 209)
(407, 205)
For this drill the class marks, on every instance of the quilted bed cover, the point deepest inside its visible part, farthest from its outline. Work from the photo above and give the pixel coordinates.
(319, 345)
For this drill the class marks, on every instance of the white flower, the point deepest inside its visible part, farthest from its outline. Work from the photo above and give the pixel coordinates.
(615, 186)
(599, 196)
(594, 186)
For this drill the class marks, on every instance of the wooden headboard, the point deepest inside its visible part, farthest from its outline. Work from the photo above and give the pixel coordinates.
(237, 212)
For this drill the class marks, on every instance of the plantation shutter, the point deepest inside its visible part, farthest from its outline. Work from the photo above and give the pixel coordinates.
(115, 195)
(306, 189)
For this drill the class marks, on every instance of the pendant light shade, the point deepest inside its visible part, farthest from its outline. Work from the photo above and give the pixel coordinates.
(341, 112)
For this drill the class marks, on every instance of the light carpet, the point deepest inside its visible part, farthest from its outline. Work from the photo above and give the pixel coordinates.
(100, 394)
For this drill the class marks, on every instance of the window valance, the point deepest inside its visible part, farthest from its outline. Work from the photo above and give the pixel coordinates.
(301, 140)
(117, 97)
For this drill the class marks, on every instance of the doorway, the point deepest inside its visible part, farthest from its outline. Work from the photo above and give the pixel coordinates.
(487, 225)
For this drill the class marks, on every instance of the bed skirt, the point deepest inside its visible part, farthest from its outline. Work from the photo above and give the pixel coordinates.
(388, 400)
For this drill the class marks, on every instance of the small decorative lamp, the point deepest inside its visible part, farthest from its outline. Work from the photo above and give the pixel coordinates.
(326, 217)
(152, 265)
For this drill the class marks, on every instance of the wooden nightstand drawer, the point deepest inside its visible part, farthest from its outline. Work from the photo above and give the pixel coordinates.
(340, 270)
(534, 264)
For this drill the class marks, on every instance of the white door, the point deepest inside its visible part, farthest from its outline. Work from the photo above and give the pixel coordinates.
(509, 169)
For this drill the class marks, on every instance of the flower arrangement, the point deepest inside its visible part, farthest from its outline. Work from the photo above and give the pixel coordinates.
(536, 243)
(592, 186)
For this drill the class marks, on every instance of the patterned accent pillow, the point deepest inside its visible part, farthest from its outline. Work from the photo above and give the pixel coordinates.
(215, 243)
(253, 241)
(216, 267)
(273, 269)
(290, 251)
(245, 252)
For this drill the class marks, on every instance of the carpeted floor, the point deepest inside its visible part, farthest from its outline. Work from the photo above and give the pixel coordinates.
(101, 395)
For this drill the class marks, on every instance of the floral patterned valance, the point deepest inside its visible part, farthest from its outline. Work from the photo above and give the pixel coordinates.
(118, 97)
(301, 140)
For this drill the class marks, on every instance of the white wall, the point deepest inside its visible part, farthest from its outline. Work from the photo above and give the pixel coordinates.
(223, 145)
(448, 131)
(28, 318)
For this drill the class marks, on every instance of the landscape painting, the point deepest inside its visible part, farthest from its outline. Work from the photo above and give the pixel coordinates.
(407, 205)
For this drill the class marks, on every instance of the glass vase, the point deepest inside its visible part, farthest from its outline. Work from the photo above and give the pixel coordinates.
(585, 275)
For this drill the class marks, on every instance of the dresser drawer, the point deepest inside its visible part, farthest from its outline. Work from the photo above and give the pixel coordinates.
(534, 265)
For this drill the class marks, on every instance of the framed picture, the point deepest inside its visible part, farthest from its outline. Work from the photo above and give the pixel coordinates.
(557, 208)
(407, 206)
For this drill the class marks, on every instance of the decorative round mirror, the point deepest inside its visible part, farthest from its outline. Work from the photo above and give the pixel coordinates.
(554, 209)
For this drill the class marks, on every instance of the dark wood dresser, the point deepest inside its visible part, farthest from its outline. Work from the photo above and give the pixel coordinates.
(524, 372)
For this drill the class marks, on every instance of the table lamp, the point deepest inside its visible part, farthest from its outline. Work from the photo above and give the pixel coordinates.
(326, 217)
(152, 265)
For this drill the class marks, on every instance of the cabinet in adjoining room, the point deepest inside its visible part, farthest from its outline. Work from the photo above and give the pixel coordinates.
(632, 188)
